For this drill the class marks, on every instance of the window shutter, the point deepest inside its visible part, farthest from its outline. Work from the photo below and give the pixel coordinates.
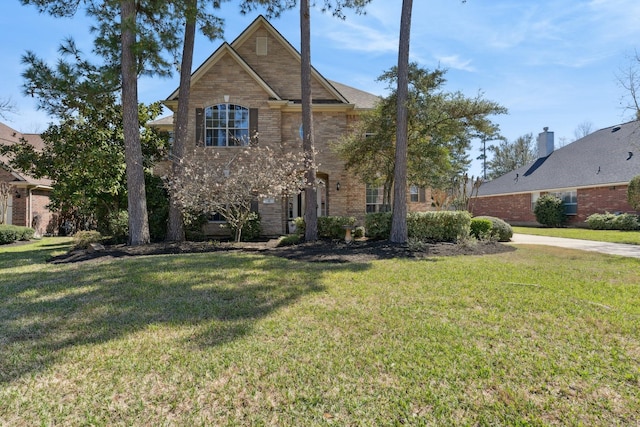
(254, 206)
(253, 124)
(199, 127)
(422, 195)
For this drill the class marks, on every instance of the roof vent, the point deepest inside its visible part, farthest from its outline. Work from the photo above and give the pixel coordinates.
(615, 129)
(261, 46)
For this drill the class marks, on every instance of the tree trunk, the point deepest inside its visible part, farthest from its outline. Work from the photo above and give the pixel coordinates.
(310, 192)
(137, 199)
(175, 226)
(399, 216)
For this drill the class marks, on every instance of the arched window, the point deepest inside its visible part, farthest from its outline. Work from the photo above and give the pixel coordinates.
(226, 125)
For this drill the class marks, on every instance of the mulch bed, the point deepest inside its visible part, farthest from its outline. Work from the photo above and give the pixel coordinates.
(335, 251)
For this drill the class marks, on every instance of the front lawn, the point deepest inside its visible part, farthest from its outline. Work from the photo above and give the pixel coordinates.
(538, 336)
(611, 236)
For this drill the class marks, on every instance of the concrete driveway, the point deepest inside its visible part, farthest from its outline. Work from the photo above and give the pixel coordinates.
(584, 245)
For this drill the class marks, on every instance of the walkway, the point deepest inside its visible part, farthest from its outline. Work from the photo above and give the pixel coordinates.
(584, 245)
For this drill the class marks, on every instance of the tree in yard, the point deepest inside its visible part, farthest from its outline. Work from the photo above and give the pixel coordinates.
(509, 156)
(193, 12)
(633, 193)
(131, 36)
(83, 96)
(441, 126)
(399, 215)
(5, 192)
(230, 186)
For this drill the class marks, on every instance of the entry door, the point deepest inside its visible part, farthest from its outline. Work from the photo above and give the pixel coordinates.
(296, 203)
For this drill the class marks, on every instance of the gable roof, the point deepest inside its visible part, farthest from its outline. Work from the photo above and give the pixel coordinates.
(343, 94)
(261, 22)
(225, 49)
(609, 156)
(9, 136)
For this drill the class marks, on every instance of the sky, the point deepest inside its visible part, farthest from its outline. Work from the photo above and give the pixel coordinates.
(551, 63)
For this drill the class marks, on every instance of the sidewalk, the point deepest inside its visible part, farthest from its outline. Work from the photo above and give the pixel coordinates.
(584, 245)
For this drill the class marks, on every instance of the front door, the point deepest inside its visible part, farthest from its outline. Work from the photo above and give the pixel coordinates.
(296, 203)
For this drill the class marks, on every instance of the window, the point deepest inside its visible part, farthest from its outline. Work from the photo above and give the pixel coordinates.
(569, 200)
(534, 199)
(414, 194)
(375, 199)
(216, 217)
(226, 125)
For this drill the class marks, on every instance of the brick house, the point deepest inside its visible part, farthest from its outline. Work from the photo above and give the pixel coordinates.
(29, 198)
(256, 79)
(590, 175)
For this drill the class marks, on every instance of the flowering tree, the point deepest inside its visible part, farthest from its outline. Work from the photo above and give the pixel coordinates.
(229, 186)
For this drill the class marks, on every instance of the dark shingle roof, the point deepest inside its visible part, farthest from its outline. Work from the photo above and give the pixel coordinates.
(361, 99)
(606, 157)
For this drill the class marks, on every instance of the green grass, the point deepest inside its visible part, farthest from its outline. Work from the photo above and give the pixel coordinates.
(612, 236)
(538, 336)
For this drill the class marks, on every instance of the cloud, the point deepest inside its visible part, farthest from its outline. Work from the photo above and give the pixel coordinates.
(361, 38)
(454, 62)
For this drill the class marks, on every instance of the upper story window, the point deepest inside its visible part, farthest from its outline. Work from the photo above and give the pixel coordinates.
(226, 125)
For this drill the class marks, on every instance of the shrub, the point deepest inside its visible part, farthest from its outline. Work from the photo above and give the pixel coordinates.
(332, 227)
(481, 228)
(626, 222)
(378, 225)
(549, 211)
(633, 193)
(609, 221)
(300, 225)
(443, 226)
(12, 233)
(358, 232)
(25, 233)
(117, 226)
(82, 239)
(500, 229)
(601, 221)
(8, 234)
(290, 240)
(194, 226)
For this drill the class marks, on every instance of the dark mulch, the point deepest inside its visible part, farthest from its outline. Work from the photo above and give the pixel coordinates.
(321, 251)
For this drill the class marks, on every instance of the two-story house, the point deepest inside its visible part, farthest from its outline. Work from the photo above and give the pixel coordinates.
(253, 85)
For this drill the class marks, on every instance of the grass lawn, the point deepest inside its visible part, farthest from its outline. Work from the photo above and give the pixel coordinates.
(538, 336)
(612, 236)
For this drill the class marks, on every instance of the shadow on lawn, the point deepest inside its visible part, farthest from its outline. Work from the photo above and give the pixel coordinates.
(57, 308)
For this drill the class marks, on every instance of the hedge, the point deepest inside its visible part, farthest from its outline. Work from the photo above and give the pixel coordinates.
(443, 226)
(329, 227)
(12, 233)
(609, 221)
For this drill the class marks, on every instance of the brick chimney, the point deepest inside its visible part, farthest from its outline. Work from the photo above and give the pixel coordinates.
(545, 143)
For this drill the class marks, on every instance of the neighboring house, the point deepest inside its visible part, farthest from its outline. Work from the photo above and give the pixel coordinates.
(29, 197)
(590, 175)
(256, 80)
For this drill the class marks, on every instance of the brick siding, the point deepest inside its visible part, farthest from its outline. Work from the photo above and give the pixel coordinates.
(517, 208)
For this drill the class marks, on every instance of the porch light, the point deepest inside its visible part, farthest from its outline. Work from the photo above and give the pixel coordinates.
(17, 196)
(338, 186)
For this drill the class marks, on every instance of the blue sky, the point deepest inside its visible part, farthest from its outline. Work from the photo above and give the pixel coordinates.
(550, 62)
